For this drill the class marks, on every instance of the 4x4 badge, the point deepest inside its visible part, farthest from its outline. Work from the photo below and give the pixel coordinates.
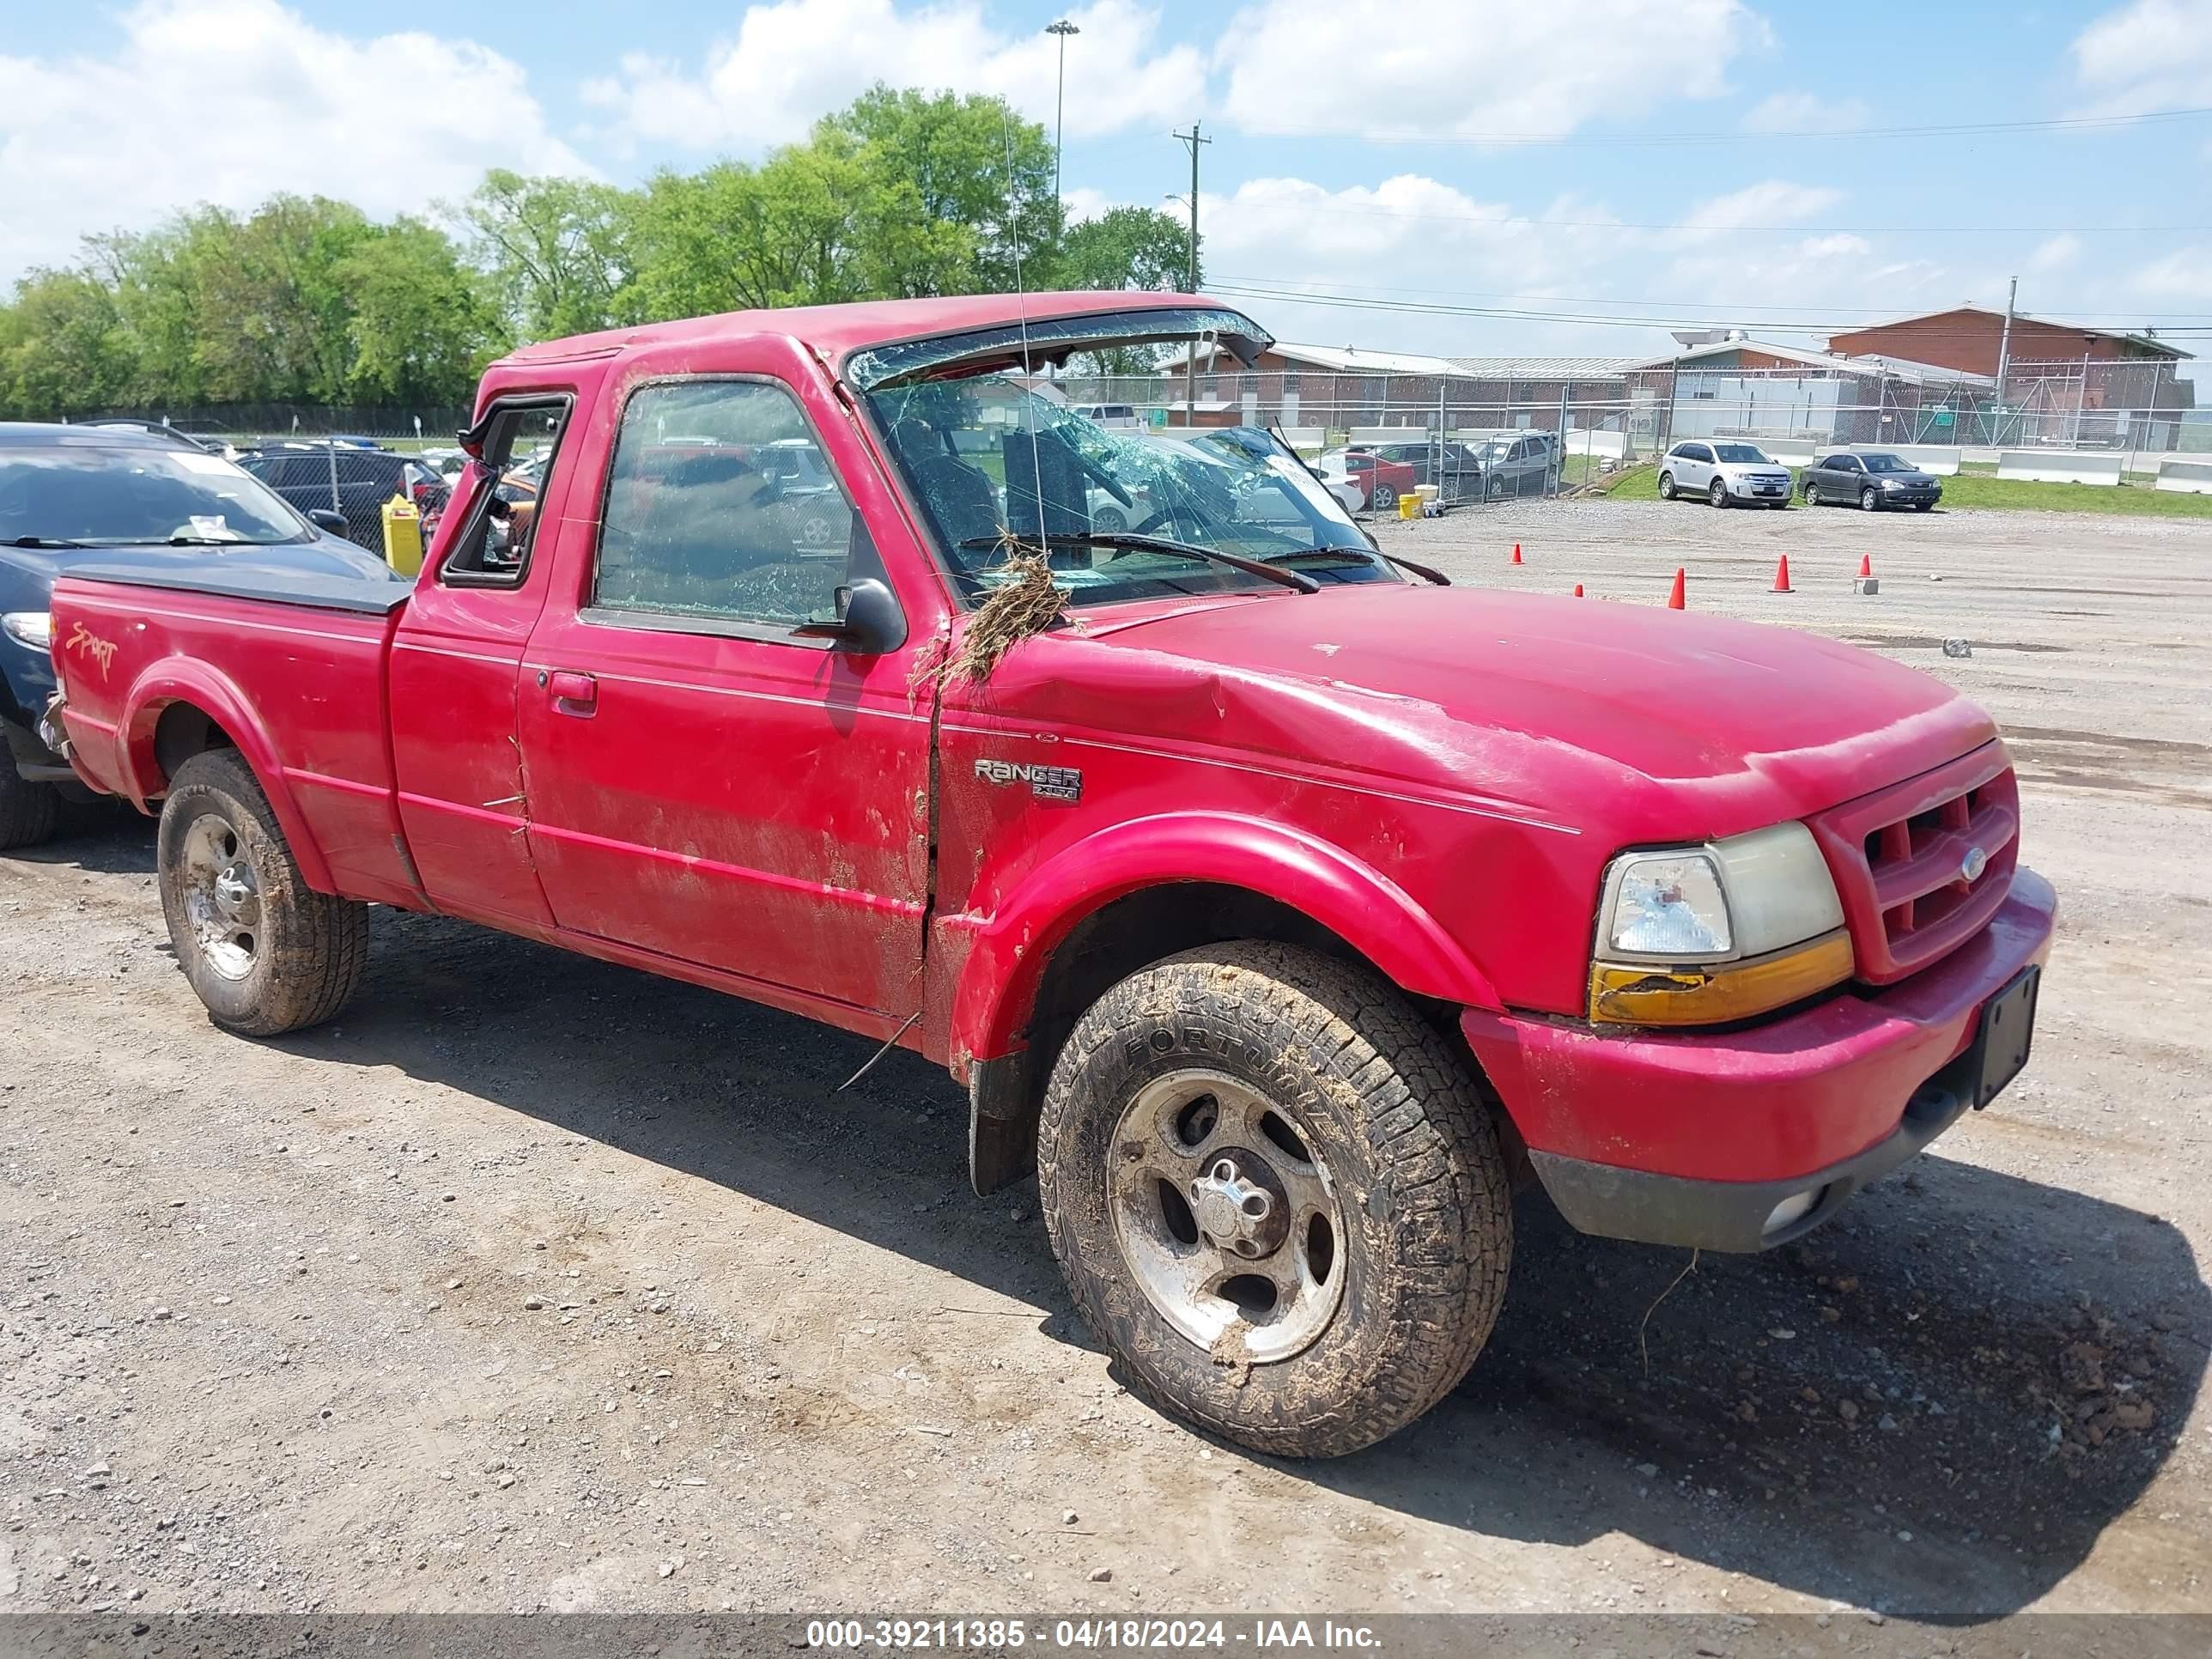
(1045, 783)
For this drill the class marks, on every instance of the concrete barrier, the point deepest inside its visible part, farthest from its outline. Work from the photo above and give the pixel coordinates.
(1588, 440)
(2088, 466)
(2189, 477)
(1941, 459)
(1306, 439)
(1391, 435)
(1789, 451)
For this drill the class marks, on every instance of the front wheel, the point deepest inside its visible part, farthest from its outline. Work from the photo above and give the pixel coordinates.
(1870, 500)
(266, 952)
(1718, 494)
(29, 812)
(1276, 1196)
(1385, 497)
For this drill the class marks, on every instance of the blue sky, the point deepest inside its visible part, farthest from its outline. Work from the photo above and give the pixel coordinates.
(1601, 167)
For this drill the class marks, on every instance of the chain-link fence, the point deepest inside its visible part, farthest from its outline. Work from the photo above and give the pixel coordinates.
(252, 423)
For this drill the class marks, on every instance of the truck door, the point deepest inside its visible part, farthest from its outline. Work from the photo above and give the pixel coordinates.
(706, 784)
(454, 664)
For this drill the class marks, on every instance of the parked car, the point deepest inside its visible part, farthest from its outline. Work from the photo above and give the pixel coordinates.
(1279, 915)
(161, 431)
(1120, 417)
(76, 496)
(1381, 481)
(354, 481)
(1454, 469)
(1724, 471)
(1521, 462)
(1874, 478)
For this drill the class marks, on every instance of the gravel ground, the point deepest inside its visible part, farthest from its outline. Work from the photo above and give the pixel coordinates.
(534, 1283)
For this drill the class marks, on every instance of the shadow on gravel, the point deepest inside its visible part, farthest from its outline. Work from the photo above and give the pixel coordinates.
(100, 838)
(1935, 1405)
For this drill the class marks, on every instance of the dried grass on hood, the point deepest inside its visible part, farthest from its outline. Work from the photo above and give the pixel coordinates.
(1027, 604)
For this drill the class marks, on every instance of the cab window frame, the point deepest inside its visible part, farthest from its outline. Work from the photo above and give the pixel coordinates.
(641, 620)
(475, 525)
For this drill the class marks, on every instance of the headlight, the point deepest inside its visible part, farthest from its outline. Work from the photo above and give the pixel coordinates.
(1695, 935)
(1893, 484)
(31, 627)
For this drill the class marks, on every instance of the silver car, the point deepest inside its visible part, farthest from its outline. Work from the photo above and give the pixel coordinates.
(1725, 472)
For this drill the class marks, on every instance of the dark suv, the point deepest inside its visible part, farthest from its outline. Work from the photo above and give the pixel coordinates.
(355, 482)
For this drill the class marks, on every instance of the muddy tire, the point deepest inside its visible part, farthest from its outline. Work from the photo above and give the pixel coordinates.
(29, 812)
(266, 953)
(1276, 1196)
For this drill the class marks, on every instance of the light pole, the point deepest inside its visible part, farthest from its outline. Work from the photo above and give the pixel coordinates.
(1063, 29)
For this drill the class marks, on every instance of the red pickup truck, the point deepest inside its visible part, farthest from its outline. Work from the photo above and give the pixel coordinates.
(1281, 907)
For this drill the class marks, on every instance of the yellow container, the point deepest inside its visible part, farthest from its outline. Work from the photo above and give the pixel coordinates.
(402, 536)
(1409, 506)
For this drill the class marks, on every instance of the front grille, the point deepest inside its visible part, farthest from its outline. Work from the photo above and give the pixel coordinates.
(1900, 858)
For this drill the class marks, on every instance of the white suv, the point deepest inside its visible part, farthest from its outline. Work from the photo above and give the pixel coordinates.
(1724, 472)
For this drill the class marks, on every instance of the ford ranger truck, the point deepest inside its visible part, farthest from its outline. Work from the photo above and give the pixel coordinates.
(1281, 907)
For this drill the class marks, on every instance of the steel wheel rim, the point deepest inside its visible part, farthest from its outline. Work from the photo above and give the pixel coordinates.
(1253, 1207)
(223, 898)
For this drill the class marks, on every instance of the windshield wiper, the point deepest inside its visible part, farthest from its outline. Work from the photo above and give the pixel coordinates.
(1120, 538)
(205, 541)
(44, 541)
(1427, 572)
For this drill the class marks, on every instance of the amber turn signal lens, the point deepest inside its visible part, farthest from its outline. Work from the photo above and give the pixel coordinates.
(1622, 994)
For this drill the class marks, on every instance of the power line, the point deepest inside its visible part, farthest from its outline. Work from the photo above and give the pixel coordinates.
(1748, 312)
(1682, 227)
(1744, 135)
(1508, 313)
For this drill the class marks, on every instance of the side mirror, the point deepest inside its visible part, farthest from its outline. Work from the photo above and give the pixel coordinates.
(325, 518)
(869, 620)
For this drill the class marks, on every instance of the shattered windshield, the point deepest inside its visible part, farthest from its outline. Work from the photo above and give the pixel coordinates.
(995, 466)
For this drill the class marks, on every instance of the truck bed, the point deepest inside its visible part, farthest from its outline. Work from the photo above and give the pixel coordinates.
(144, 651)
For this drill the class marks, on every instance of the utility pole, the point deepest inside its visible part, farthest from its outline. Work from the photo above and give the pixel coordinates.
(1063, 28)
(2004, 356)
(1191, 140)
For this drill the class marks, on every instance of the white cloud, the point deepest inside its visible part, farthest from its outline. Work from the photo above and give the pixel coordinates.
(1442, 69)
(1772, 203)
(2150, 55)
(2055, 253)
(770, 82)
(229, 101)
(2185, 274)
(1802, 111)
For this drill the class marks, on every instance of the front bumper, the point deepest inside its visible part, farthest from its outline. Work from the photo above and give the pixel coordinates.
(1694, 1139)
(1759, 490)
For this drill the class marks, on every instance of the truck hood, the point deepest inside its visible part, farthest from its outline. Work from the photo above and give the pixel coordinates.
(1633, 718)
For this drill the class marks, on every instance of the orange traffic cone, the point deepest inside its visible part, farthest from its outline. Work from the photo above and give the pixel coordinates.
(1782, 577)
(1866, 564)
(1578, 590)
(1674, 596)
(1516, 553)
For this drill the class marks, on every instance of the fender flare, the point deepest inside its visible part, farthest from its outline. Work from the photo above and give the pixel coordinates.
(183, 679)
(1360, 904)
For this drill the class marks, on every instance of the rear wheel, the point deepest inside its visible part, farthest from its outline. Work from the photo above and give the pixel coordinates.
(1276, 1196)
(1717, 494)
(1385, 497)
(265, 952)
(1108, 521)
(1666, 486)
(29, 812)
(1812, 494)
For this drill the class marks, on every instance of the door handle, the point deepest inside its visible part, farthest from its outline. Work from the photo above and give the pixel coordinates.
(574, 694)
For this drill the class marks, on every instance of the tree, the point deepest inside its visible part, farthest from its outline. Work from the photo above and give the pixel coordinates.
(1125, 247)
(943, 160)
(422, 326)
(62, 350)
(555, 250)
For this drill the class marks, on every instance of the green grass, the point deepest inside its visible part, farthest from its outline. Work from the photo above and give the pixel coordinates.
(1983, 489)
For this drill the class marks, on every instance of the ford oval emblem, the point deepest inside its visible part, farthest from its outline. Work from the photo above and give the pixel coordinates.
(1971, 866)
